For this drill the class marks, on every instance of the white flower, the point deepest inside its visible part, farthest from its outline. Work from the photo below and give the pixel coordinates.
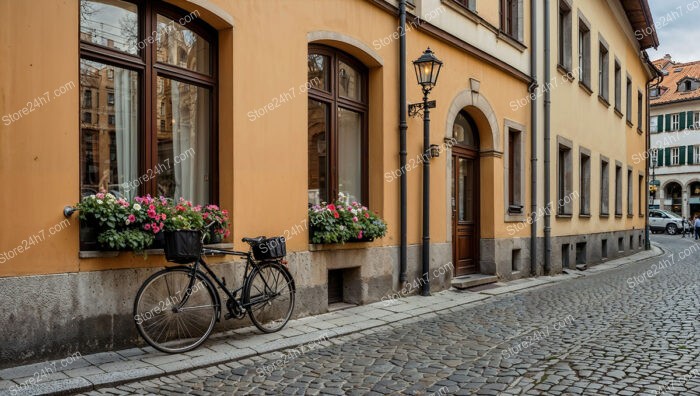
(99, 202)
(137, 206)
(127, 222)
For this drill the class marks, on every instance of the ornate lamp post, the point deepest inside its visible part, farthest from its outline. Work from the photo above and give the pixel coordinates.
(427, 71)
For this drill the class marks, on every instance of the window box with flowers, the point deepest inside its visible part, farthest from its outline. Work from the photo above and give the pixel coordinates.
(342, 222)
(139, 224)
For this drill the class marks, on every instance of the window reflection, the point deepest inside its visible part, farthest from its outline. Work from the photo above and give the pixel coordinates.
(108, 144)
(110, 23)
(179, 46)
(183, 141)
(318, 152)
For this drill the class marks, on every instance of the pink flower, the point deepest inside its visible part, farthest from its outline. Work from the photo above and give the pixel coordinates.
(100, 195)
(359, 235)
(227, 234)
(367, 215)
(146, 227)
(152, 207)
(354, 219)
(331, 207)
(152, 213)
(163, 216)
(131, 218)
(155, 229)
(205, 216)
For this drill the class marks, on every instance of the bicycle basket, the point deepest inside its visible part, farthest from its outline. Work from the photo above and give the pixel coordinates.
(270, 248)
(183, 246)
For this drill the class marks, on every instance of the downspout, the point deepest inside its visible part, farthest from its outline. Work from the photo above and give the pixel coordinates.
(659, 76)
(533, 139)
(547, 146)
(403, 126)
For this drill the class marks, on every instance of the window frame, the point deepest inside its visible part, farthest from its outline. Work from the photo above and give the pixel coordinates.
(604, 186)
(618, 87)
(333, 100)
(640, 110)
(509, 21)
(148, 69)
(628, 110)
(565, 175)
(675, 122)
(585, 182)
(603, 69)
(618, 189)
(514, 181)
(564, 35)
(630, 192)
(584, 51)
(675, 153)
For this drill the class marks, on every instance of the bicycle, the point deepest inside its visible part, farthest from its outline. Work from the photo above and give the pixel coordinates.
(175, 309)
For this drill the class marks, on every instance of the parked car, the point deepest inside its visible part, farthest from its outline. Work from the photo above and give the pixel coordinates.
(664, 221)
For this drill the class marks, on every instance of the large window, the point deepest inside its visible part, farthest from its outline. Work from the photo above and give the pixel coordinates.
(564, 34)
(516, 171)
(618, 87)
(603, 71)
(511, 18)
(654, 125)
(565, 179)
(584, 52)
(585, 182)
(675, 156)
(675, 122)
(604, 187)
(629, 100)
(630, 193)
(618, 189)
(337, 117)
(153, 67)
(640, 110)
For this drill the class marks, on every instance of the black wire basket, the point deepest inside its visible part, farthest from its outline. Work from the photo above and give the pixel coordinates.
(270, 249)
(183, 246)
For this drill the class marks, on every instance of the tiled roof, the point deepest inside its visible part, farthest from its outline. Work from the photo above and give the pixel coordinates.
(676, 73)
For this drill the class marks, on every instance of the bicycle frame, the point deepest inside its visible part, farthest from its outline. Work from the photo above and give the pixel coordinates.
(231, 294)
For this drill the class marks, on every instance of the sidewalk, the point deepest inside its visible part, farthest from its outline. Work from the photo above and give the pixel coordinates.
(109, 369)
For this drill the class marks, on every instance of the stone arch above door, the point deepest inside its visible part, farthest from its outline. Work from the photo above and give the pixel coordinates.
(483, 114)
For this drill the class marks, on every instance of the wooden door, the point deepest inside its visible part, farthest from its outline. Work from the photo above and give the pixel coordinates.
(465, 212)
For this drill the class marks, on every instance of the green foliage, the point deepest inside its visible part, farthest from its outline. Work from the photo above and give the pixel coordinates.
(342, 222)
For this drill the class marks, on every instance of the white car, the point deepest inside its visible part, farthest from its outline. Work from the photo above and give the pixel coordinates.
(664, 221)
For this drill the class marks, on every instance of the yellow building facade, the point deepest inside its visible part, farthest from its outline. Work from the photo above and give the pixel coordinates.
(267, 107)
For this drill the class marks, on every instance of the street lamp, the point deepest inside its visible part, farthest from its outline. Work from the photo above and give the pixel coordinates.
(427, 71)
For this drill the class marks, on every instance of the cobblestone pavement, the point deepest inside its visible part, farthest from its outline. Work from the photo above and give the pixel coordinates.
(632, 330)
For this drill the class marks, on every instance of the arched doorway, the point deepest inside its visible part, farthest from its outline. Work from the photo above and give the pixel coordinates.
(465, 195)
(674, 198)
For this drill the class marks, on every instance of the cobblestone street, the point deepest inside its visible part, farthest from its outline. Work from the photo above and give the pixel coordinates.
(626, 331)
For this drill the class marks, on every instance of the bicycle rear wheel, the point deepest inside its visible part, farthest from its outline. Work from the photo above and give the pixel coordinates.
(174, 314)
(269, 296)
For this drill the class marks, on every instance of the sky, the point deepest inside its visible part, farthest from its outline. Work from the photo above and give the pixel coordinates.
(678, 27)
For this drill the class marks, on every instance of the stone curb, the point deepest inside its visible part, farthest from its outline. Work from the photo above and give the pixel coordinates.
(139, 364)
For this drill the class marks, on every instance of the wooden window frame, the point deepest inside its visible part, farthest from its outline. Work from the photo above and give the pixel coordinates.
(144, 63)
(334, 101)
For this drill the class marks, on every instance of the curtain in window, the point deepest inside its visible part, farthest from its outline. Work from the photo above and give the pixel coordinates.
(126, 124)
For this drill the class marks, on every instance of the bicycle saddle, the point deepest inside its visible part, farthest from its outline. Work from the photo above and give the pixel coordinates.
(255, 240)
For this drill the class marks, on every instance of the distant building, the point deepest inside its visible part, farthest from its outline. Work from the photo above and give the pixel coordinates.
(675, 134)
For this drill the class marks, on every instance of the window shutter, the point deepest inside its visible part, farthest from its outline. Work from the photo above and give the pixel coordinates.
(681, 125)
(667, 156)
(660, 123)
(690, 118)
(660, 157)
(681, 155)
(668, 123)
(691, 152)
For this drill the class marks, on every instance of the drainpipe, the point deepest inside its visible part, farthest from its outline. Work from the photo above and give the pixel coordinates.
(403, 126)
(659, 76)
(547, 146)
(533, 139)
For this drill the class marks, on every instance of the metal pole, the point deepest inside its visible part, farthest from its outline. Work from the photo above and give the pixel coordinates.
(403, 126)
(426, 195)
(547, 146)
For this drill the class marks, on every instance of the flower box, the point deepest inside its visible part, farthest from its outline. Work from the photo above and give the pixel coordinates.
(342, 222)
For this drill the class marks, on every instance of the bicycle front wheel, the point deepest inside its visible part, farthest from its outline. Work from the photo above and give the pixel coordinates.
(269, 296)
(175, 313)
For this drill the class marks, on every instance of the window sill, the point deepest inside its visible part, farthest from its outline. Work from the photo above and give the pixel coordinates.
(604, 215)
(604, 101)
(584, 216)
(320, 247)
(513, 41)
(564, 216)
(629, 123)
(88, 254)
(568, 74)
(618, 216)
(640, 131)
(585, 88)
(619, 113)
(629, 216)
